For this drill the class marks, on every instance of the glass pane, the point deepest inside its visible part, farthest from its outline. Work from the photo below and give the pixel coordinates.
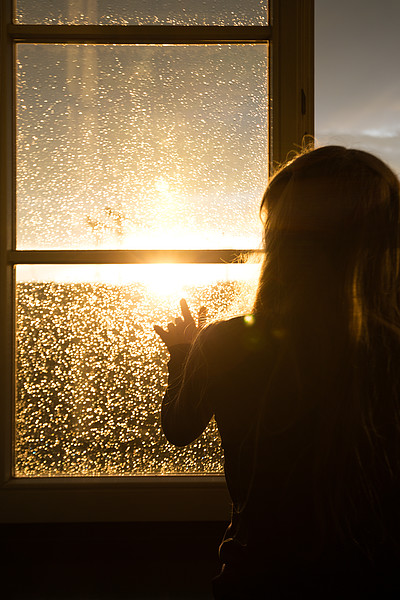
(138, 12)
(127, 146)
(91, 372)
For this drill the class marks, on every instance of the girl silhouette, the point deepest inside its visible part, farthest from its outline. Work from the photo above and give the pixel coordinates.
(306, 390)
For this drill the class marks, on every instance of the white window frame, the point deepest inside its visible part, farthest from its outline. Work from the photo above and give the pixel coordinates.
(291, 118)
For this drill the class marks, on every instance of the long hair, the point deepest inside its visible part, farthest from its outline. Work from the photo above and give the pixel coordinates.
(330, 284)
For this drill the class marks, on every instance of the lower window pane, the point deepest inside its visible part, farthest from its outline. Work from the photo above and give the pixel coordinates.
(91, 372)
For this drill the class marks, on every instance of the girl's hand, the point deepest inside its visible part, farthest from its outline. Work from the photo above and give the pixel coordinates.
(183, 330)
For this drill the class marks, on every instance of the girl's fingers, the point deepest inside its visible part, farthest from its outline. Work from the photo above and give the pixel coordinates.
(187, 315)
(161, 332)
(182, 330)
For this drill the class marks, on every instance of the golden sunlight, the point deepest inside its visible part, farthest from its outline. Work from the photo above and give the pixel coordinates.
(161, 278)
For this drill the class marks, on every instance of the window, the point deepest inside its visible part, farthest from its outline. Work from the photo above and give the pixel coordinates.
(135, 149)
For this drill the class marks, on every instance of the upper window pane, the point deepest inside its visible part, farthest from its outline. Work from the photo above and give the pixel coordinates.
(140, 146)
(137, 12)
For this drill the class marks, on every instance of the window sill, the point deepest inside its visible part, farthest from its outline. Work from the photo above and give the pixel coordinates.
(143, 498)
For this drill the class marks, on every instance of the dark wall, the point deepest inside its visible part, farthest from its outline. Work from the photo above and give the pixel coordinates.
(96, 561)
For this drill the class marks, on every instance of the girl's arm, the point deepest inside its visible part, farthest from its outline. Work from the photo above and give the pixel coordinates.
(186, 410)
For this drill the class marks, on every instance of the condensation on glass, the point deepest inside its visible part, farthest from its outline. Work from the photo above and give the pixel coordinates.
(140, 12)
(138, 146)
(91, 372)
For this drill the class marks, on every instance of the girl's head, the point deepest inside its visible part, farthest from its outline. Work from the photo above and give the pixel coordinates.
(332, 190)
(331, 220)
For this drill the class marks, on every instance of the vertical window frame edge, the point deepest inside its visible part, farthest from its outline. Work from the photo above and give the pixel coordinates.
(292, 79)
(7, 227)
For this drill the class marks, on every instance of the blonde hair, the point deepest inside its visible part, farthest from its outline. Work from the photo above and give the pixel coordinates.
(331, 281)
(342, 205)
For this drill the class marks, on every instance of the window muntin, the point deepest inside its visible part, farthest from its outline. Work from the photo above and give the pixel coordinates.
(91, 372)
(141, 146)
(138, 12)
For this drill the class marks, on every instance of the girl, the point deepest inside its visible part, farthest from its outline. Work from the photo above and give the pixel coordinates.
(306, 391)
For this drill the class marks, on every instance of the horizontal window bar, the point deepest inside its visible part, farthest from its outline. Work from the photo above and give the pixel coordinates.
(144, 34)
(125, 256)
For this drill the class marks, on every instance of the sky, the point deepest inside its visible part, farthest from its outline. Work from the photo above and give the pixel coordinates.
(357, 58)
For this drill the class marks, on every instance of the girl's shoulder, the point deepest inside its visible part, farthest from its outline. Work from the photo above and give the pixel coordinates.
(242, 334)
